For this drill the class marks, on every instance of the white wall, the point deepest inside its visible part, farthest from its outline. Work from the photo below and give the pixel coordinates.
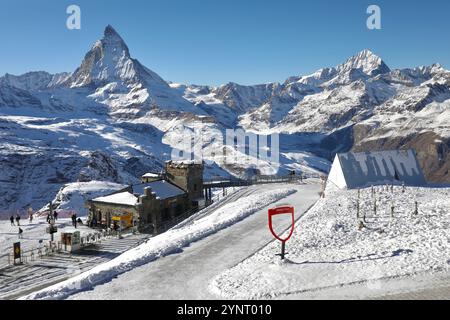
(336, 175)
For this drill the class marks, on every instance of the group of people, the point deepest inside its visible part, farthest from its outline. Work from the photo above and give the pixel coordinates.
(17, 219)
(52, 217)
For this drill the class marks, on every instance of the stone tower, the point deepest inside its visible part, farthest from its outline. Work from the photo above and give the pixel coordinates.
(187, 175)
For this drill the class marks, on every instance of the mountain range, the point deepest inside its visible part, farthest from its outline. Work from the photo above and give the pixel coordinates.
(114, 119)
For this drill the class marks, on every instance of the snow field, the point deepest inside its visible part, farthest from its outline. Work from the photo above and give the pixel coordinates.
(328, 250)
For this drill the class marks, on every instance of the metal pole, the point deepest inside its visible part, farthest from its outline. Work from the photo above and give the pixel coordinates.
(283, 249)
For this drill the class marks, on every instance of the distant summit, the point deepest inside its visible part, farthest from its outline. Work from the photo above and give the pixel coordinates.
(367, 62)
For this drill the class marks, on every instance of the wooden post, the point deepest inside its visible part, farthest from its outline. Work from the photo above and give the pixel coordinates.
(375, 207)
(416, 210)
(392, 210)
(364, 216)
(357, 209)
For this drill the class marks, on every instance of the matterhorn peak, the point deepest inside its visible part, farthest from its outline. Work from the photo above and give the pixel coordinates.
(108, 61)
(110, 32)
(112, 36)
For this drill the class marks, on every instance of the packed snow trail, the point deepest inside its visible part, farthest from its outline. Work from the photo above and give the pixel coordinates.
(187, 273)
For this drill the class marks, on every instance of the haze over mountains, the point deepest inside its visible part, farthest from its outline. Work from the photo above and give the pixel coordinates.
(114, 119)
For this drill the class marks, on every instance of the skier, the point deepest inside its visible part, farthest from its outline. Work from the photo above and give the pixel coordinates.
(20, 233)
(18, 219)
(55, 215)
(12, 220)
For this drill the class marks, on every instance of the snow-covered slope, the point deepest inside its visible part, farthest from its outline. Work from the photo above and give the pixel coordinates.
(329, 250)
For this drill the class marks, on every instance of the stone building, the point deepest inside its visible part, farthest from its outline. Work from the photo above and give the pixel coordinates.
(152, 203)
(186, 175)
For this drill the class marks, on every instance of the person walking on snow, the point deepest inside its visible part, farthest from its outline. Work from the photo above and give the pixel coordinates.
(74, 220)
(30, 214)
(12, 220)
(55, 215)
(18, 219)
(20, 233)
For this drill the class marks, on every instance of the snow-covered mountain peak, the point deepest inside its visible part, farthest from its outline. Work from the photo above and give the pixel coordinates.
(108, 61)
(367, 62)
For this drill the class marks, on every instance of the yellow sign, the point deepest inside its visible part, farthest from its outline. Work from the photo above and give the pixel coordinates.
(126, 219)
(17, 251)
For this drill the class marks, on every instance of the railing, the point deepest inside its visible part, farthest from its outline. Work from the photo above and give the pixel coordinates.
(177, 220)
(171, 223)
(32, 254)
(257, 180)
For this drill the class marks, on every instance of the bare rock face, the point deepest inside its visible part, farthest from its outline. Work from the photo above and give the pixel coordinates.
(99, 166)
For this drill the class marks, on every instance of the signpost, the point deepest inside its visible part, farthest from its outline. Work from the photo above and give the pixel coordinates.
(17, 252)
(277, 211)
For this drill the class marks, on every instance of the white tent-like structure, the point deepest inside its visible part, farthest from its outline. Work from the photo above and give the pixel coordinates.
(361, 170)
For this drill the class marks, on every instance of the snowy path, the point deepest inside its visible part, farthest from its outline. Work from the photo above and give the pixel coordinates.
(186, 275)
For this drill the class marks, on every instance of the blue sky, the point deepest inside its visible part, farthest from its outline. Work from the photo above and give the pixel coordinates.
(215, 42)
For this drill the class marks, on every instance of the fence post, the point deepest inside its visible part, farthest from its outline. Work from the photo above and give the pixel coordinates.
(392, 210)
(357, 209)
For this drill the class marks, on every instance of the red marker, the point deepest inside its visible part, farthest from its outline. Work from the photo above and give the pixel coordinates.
(286, 210)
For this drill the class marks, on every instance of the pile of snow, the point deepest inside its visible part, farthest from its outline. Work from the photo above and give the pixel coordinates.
(328, 250)
(73, 196)
(165, 244)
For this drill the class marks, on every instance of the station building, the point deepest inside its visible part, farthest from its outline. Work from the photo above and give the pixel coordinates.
(156, 201)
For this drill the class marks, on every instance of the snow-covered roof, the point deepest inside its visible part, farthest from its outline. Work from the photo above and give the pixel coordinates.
(161, 188)
(184, 162)
(150, 175)
(357, 170)
(123, 198)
